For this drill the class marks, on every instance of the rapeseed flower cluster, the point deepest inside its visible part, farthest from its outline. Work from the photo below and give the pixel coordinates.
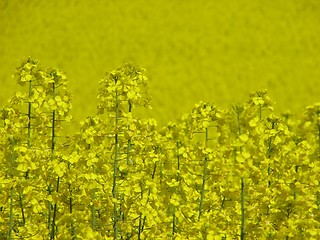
(237, 173)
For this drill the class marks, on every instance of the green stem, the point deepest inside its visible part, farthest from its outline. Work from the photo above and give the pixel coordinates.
(93, 209)
(141, 223)
(29, 115)
(115, 167)
(49, 207)
(149, 192)
(269, 153)
(203, 187)
(22, 210)
(53, 139)
(73, 233)
(140, 229)
(11, 214)
(161, 172)
(54, 214)
(29, 146)
(222, 203)
(11, 198)
(12, 159)
(29, 122)
(204, 177)
(242, 209)
(53, 128)
(295, 190)
(129, 140)
(173, 222)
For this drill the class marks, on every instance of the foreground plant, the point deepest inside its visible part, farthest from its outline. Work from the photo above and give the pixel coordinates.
(241, 172)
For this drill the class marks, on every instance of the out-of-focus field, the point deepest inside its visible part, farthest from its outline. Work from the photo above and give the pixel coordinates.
(215, 51)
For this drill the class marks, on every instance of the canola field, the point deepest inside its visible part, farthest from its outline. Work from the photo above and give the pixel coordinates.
(236, 173)
(191, 146)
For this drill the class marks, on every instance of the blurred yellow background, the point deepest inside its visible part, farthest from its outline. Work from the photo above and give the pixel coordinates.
(217, 51)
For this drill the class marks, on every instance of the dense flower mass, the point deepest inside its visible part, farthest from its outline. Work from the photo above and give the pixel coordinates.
(237, 173)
